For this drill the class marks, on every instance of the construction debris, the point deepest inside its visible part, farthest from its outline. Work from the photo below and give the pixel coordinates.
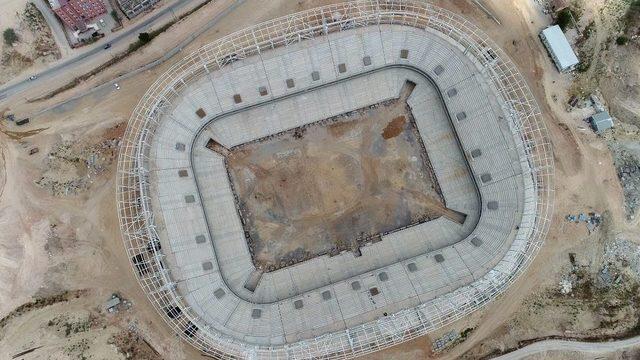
(116, 303)
(445, 341)
(592, 220)
(623, 252)
(72, 166)
(566, 285)
(628, 169)
(112, 304)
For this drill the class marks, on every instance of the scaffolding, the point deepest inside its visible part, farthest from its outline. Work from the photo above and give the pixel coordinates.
(133, 189)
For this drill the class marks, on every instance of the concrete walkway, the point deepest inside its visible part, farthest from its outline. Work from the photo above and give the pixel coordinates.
(572, 346)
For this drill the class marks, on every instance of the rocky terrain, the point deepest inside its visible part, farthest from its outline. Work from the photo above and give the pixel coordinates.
(35, 44)
(73, 164)
(628, 167)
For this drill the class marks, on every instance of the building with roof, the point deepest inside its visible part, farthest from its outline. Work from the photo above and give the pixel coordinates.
(132, 8)
(559, 48)
(76, 14)
(601, 121)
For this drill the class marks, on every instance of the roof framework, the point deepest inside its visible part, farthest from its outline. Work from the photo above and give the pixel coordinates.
(137, 219)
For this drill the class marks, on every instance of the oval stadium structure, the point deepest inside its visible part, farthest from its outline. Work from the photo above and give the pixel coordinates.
(267, 216)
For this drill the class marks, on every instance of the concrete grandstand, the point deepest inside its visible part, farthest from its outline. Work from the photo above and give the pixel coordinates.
(476, 117)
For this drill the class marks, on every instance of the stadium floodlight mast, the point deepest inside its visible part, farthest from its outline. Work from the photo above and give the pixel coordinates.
(134, 198)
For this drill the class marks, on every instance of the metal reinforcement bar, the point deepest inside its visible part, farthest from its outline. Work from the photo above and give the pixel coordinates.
(137, 222)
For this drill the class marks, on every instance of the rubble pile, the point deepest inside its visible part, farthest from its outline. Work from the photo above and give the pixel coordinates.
(623, 252)
(72, 166)
(592, 219)
(628, 168)
(566, 284)
(445, 341)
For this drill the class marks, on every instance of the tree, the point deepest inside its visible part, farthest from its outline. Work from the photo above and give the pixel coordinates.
(10, 36)
(144, 37)
(114, 15)
(564, 18)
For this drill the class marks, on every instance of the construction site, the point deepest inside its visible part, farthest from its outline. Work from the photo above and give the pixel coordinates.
(324, 179)
(255, 232)
(334, 185)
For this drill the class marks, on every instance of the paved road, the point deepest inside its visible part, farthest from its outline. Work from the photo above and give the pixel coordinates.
(107, 87)
(575, 346)
(55, 26)
(125, 38)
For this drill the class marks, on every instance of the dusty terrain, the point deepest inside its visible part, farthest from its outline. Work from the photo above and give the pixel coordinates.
(611, 68)
(35, 46)
(53, 240)
(85, 251)
(66, 326)
(334, 185)
(582, 285)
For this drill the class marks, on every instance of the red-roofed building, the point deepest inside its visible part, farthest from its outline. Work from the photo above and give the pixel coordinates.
(75, 14)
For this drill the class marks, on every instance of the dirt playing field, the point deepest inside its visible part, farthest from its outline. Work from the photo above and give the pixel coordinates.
(334, 185)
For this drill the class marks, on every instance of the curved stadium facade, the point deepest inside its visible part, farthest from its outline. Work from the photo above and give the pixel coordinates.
(475, 117)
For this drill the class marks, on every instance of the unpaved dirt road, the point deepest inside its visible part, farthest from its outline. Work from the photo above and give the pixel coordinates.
(544, 347)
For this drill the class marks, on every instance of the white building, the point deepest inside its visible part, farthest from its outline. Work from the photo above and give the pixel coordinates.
(559, 48)
(601, 121)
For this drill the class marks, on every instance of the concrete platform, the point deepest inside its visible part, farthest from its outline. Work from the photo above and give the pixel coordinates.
(470, 109)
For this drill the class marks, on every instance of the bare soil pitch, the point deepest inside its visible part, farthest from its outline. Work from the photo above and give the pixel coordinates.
(334, 185)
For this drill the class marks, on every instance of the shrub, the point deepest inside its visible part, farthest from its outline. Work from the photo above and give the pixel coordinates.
(564, 19)
(632, 17)
(622, 40)
(114, 15)
(144, 37)
(10, 36)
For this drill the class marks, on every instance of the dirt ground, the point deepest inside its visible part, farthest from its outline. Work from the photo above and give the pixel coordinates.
(334, 185)
(535, 307)
(35, 46)
(85, 250)
(67, 326)
(611, 69)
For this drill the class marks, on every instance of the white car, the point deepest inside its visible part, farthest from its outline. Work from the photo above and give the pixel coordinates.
(33, 77)
(115, 85)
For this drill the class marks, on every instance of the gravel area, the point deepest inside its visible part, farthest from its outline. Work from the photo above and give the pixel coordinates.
(624, 252)
(628, 169)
